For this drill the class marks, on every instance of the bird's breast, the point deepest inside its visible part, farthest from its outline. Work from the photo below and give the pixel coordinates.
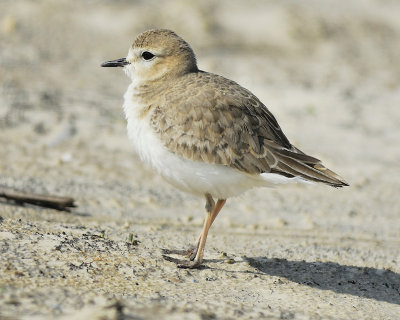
(142, 136)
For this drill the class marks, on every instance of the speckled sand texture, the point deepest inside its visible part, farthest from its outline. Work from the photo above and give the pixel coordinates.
(330, 73)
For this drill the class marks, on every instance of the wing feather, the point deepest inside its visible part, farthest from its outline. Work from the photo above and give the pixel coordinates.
(223, 123)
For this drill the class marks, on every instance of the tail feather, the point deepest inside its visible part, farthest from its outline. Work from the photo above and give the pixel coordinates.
(296, 163)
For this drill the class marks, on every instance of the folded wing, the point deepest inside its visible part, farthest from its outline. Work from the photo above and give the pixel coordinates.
(223, 123)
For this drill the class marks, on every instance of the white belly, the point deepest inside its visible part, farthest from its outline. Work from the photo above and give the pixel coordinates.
(190, 176)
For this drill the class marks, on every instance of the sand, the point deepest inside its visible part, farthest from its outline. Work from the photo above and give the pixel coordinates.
(330, 73)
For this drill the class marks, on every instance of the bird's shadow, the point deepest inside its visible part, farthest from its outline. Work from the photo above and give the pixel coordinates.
(377, 284)
(72, 211)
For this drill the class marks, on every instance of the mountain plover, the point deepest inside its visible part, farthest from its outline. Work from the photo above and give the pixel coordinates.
(203, 133)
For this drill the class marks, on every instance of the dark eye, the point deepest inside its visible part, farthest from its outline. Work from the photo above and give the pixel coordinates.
(146, 55)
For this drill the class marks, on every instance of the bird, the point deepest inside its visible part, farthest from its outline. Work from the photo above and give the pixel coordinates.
(203, 133)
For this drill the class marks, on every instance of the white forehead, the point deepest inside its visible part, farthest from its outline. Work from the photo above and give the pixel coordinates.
(132, 53)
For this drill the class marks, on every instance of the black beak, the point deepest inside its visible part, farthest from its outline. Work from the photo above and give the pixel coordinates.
(115, 63)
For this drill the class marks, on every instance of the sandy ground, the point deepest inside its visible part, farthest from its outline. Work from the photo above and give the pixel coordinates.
(329, 71)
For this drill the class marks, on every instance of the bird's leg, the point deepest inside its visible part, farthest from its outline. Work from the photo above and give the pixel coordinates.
(192, 250)
(210, 206)
(215, 210)
(210, 217)
(212, 211)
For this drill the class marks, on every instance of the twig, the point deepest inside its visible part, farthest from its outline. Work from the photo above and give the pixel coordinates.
(47, 201)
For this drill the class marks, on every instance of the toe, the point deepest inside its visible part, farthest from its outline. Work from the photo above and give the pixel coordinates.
(190, 264)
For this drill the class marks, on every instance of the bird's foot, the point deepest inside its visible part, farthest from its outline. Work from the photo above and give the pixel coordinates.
(181, 252)
(183, 264)
(190, 253)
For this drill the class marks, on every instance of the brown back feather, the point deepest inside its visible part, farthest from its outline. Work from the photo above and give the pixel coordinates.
(223, 123)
